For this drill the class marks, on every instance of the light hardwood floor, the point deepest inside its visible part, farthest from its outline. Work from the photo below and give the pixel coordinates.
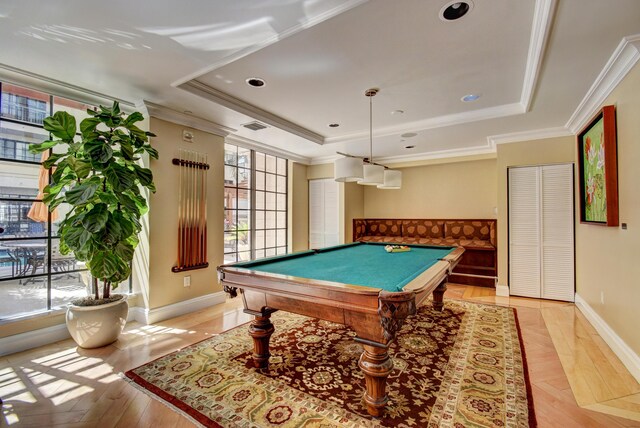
(61, 385)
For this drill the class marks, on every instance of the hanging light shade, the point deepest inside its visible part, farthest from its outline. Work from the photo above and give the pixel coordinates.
(392, 179)
(347, 169)
(373, 175)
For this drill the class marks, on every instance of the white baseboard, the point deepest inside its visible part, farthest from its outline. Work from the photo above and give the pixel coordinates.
(151, 316)
(44, 336)
(629, 358)
(502, 290)
(32, 339)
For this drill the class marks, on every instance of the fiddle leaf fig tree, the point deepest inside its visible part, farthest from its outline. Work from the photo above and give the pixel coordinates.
(99, 177)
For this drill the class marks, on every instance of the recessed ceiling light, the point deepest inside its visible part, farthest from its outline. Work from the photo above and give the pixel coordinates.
(470, 97)
(256, 82)
(455, 10)
(408, 135)
(409, 147)
(334, 125)
(397, 112)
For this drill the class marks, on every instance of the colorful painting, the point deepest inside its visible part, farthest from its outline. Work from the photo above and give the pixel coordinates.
(595, 203)
(598, 170)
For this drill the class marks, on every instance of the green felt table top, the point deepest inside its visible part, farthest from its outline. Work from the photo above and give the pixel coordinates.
(358, 264)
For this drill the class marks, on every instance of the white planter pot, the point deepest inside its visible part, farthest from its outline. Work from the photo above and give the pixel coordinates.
(96, 326)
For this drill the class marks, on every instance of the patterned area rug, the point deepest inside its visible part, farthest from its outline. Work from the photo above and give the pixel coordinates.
(462, 367)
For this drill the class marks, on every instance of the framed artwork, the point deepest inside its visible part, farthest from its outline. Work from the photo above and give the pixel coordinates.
(598, 170)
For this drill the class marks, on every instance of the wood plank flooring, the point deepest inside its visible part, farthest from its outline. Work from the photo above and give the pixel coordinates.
(62, 385)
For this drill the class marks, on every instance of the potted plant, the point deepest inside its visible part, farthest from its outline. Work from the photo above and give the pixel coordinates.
(97, 175)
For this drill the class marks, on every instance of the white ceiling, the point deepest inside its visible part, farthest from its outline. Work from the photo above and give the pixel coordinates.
(532, 61)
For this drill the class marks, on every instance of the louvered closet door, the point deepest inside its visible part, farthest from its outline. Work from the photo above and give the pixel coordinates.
(524, 232)
(557, 232)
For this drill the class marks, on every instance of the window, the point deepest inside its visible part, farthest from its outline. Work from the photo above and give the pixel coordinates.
(34, 275)
(255, 204)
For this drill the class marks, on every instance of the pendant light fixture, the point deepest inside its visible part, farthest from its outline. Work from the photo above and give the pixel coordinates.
(373, 174)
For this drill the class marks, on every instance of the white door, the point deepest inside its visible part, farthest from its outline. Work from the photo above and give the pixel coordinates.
(541, 241)
(323, 213)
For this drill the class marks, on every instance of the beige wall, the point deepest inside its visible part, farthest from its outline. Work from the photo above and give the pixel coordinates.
(539, 152)
(166, 287)
(353, 207)
(449, 190)
(298, 207)
(607, 258)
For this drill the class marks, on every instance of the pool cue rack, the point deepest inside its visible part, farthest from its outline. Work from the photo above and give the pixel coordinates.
(192, 211)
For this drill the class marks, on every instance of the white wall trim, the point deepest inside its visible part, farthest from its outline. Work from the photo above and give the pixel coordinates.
(222, 98)
(502, 290)
(195, 122)
(620, 63)
(147, 316)
(535, 134)
(33, 339)
(542, 20)
(248, 143)
(629, 358)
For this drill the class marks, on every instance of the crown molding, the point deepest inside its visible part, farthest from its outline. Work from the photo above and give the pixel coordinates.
(435, 122)
(344, 6)
(620, 63)
(205, 91)
(55, 87)
(536, 134)
(265, 148)
(542, 22)
(165, 113)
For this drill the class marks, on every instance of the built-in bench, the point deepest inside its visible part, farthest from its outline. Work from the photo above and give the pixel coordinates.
(478, 237)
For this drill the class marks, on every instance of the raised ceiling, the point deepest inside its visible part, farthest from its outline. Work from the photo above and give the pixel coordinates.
(532, 62)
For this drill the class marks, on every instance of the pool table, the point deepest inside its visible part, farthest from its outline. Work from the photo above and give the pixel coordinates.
(359, 285)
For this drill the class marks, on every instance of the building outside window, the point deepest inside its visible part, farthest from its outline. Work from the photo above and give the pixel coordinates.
(255, 204)
(34, 275)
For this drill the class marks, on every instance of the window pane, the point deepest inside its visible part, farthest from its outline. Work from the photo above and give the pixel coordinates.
(230, 220)
(259, 239)
(244, 220)
(282, 184)
(17, 298)
(74, 108)
(259, 200)
(16, 138)
(259, 254)
(282, 166)
(281, 250)
(244, 157)
(259, 219)
(230, 154)
(270, 203)
(230, 258)
(17, 219)
(21, 258)
(244, 201)
(271, 183)
(230, 195)
(244, 178)
(281, 236)
(244, 240)
(270, 238)
(281, 220)
(271, 220)
(259, 161)
(270, 164)
(281, 202)
(67, 285)
(230, 242)
(270, 252)
(19, 181)
(244, 256)
(259, 180)
(57, 216)
(230, 175)
(23, 104)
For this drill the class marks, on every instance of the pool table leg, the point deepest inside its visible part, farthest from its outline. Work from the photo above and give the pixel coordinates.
(438, 295)
(261, 330)
(376, 365)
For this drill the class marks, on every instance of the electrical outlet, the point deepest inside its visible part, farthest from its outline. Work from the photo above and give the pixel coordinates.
(602, 297)
(186, 281)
